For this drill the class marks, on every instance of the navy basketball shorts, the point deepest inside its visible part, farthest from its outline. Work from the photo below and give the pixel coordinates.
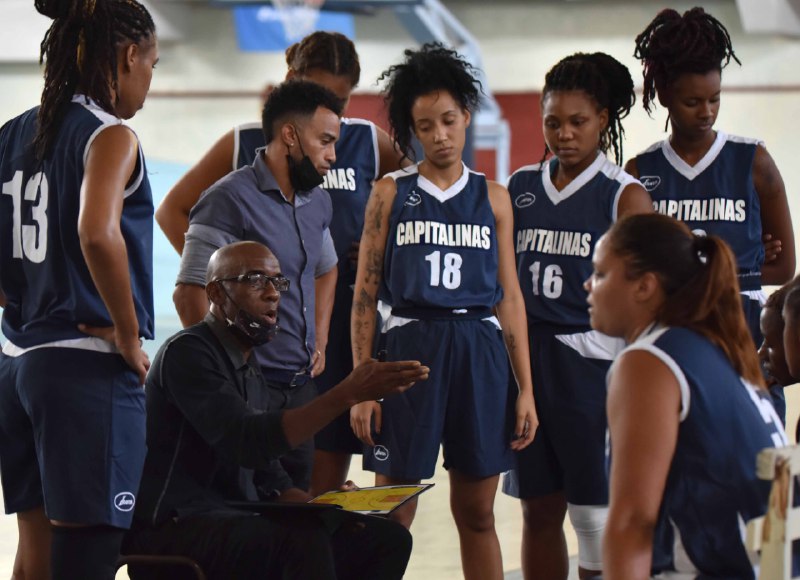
(338, 436)
(568, 452)
(466, 404)
(752, 316)
(72, 435)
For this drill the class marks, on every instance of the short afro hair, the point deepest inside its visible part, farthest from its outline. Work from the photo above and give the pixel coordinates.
(293, 99)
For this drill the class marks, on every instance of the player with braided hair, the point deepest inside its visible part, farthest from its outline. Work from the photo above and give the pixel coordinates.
(562, 206)
(717, 183)
(76, 278)
(437, 246)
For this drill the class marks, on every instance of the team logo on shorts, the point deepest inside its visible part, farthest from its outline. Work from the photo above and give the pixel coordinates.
(124, 501)
(380, 453)
(413, 199)
(525, 200)
(650, 182)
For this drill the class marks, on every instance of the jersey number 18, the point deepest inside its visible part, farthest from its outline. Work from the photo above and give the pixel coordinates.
(450, 275)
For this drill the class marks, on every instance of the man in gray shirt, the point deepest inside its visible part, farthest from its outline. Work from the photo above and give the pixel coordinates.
(277, 201)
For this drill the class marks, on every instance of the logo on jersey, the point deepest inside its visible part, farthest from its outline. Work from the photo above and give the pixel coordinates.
(525, 200)
(555, 242)
(428, 232)
(713, 209)
(413, 199)
(650, 182)
(380, 453)
(124, 501)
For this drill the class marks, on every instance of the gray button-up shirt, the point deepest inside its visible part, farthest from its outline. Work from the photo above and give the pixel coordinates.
(247, 204)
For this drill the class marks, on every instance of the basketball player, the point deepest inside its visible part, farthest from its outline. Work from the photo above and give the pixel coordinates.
(780, 350)
(76, 276)
(437, 246)
(363, 153)
(718, 184)
(561, 208)
(687, 407)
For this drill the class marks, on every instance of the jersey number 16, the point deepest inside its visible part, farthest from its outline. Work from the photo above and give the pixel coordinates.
(552, 281)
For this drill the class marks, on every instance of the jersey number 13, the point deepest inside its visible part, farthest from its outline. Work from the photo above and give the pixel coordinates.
(29, 240)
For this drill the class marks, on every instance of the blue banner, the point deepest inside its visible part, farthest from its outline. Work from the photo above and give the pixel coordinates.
(266, 29)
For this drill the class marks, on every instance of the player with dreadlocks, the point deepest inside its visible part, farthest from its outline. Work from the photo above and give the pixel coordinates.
(76, 279)
(561, 207)
(717, 183)
(437, 245)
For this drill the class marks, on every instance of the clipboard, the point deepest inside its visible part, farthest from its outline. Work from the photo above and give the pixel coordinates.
(375, 501)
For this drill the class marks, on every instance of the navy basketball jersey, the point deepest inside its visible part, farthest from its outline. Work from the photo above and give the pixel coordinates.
(712, 489)
(714, 197)
(441, 250)
(43, 274)
(555, 233)
(349, 181)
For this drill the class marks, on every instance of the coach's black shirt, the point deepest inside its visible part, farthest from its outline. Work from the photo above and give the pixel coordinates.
(210, 439)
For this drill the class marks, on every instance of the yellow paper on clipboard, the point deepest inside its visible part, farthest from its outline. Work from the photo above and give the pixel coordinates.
(380, 501)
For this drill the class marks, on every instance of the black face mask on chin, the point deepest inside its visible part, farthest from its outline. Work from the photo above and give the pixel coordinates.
(303, 175)
(248, 327)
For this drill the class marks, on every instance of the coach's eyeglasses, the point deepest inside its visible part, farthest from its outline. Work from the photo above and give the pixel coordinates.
(259, 281)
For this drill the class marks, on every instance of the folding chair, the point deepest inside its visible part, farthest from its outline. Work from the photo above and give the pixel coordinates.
(774, 533)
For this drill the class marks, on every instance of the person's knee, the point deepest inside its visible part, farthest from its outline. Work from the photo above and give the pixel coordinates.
(398, 538)
(589, 523)
(301, 537)
(475, 515)
(392, 549)
(545, 512)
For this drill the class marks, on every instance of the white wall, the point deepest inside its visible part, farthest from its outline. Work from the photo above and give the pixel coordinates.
(520, 40)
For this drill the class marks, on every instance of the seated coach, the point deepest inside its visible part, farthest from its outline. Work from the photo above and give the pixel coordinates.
(209, 490)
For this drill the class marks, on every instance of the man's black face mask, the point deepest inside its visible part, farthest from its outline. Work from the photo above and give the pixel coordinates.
(303, 175)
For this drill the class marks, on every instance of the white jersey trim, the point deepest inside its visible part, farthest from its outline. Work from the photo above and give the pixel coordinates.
(391, 321)
(237, 141)
(109, 120)
(645, 343)
(593, 344)
(444, 195)
(680, 558)
(573, 186)
(768, 414)
(757, 295)
(138, 181)
(375, 148)
(618, 174)
(89, 343)
(690, 172)
(746, 140)
(537, 167)
(404, 172)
